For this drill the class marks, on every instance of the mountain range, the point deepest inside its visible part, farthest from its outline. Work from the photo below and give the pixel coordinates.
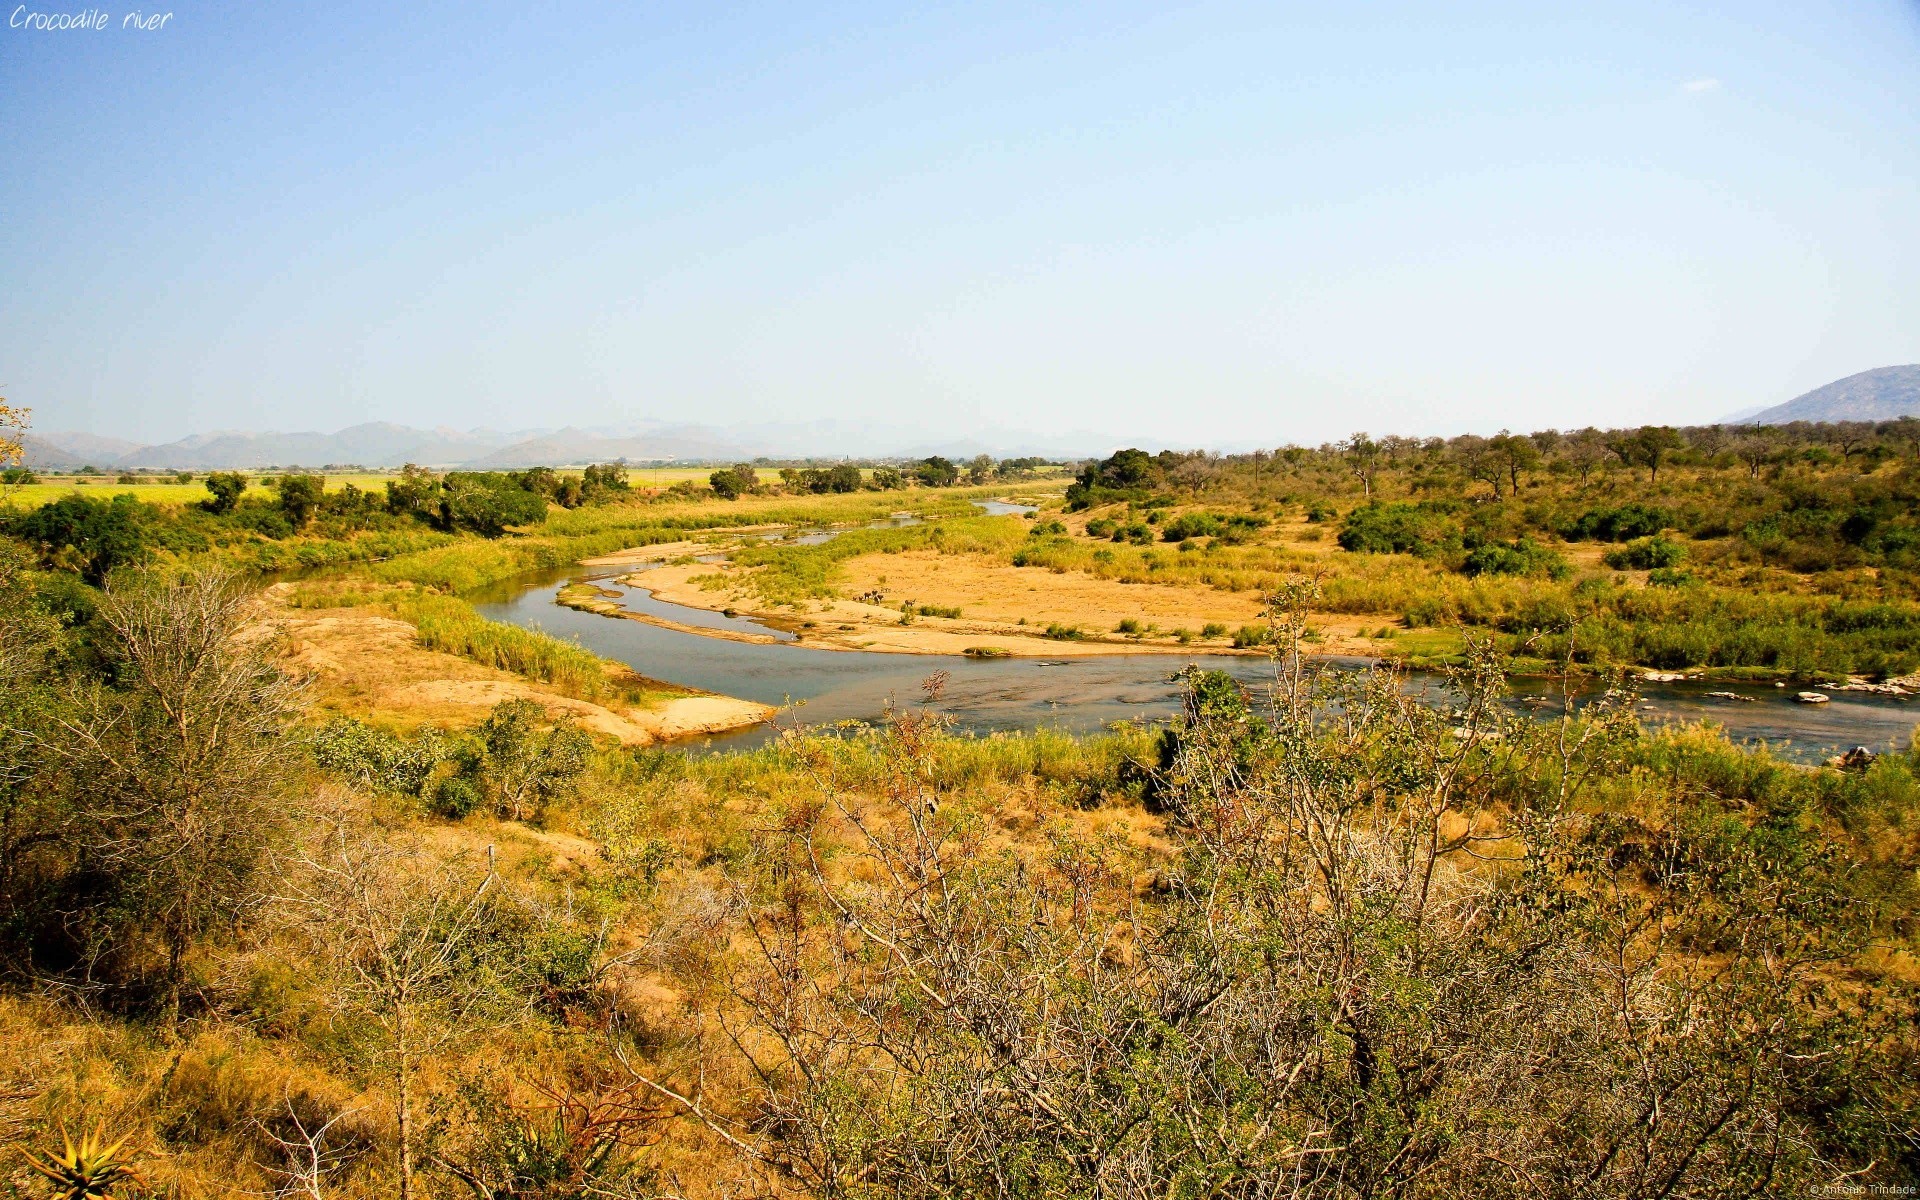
(381, 444)
(1881, 394)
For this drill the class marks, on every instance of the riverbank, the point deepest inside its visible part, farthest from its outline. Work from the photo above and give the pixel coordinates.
(364, 664)
(937, 603)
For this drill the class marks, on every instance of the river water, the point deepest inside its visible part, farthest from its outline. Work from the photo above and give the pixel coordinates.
(1081, 694)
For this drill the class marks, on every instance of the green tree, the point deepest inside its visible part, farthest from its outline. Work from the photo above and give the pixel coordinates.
(487, 503)
(725, 484)
(224, 489)
(1515, 454)
(937, 472)
(94, 537)
(300, 497)
(1652, 445)
(415, 494)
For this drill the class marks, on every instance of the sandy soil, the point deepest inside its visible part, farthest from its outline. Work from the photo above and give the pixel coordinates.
(370, 665)
(994, 599)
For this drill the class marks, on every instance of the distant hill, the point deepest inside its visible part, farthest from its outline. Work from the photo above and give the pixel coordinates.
(379, 444)
(1877, 395)
(569, 446)
(44, 455)
(90, 447)
(374, 444)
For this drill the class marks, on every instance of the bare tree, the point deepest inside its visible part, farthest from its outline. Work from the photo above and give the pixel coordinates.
(405, 938)
(1377, 965)
(185, 762)
(309, 1159)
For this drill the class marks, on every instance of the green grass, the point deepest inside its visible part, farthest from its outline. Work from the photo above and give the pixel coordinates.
(450, 625)
(792, 574)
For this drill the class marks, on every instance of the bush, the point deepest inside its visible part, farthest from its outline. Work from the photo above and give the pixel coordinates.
(1397, 528)
(1213, 629)
(1647, 554)
(1620, 524)
(378, 759)
(1249, 636)
(1064, 633)
(95, 537)
(1523, 557)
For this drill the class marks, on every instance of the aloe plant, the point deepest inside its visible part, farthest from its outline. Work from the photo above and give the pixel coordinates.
(92, 1168)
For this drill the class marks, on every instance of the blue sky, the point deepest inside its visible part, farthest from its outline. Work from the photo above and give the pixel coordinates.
(1209, 224)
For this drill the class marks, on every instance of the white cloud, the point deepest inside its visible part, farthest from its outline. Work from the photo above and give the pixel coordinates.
(1701, 85)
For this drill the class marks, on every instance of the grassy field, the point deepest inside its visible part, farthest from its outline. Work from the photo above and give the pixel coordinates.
(157, 489)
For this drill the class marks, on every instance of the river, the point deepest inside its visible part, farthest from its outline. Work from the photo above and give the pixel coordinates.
(1080, 694)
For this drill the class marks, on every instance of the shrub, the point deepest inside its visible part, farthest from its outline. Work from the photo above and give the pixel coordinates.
(378, 759)
(1064, 633)
(1192, 525)
(1522, 557)
(1646, 554)
(1248, 636)
(1397, 528)
(1213, 629)
(1621, 524)
(1130, 627)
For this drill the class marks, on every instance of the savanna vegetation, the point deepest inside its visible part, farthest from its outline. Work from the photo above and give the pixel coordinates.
(1784, 552)
(1337, 940)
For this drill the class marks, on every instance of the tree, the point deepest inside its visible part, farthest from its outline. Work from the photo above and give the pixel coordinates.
(937, 472)
(524, 768)
(1367, 970)
(405, 939)
(1584, 451)
(224, 489)
(1478, 461)
(1756, 452)
(95, 537)
(603, 482)
(1651, 445)
(415, 494)
(726, 484)
(487, 503)
(300, 496)
(1515, 454)
(13, 424)
(1363, 456)
(980, 470)
(1905, 429)
(185, 764)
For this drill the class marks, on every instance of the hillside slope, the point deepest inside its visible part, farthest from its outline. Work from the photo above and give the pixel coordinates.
(1878, 395)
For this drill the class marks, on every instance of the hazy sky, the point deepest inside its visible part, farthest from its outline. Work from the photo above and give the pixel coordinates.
(1210, 223)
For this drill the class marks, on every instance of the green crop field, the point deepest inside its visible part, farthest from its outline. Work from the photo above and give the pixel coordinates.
(160, 489)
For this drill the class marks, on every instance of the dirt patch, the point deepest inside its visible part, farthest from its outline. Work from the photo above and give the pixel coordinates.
(1003, 609)
(369, 665)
